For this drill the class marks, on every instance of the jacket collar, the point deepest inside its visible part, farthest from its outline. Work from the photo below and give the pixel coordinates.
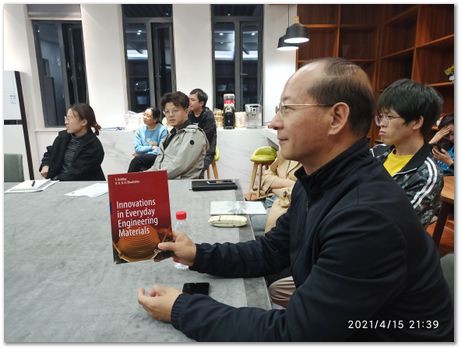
(333, 172)
(416, 160)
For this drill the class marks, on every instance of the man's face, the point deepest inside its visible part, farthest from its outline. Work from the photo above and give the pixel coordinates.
(302, 130)
(194, 104)
(176, 115)
(393, 128)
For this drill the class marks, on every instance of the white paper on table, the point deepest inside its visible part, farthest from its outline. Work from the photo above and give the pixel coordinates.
(32, 186)
(94, 190)
(237, 207)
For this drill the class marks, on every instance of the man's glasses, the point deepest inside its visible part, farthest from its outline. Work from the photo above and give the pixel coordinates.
(383, 119)
(171, 112)
(284, 109)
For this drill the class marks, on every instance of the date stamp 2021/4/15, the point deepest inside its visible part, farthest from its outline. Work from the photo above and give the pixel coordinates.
(373, 324)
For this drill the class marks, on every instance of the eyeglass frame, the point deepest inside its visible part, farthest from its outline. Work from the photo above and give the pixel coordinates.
(281, 105)
(380, 117)
(172, 112)
(68, 118)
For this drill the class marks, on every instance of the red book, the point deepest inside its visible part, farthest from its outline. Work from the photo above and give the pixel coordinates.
(140, 215)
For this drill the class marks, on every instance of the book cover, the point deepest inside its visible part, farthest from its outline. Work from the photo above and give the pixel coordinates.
(140, 215)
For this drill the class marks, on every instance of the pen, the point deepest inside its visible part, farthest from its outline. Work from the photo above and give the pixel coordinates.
(33, 183)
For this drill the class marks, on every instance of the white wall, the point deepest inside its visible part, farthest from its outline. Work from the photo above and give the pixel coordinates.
(193, 48)
(105, 63)
(278, 65)
(19, 55)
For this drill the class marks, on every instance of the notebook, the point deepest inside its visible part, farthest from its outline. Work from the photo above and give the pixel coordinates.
(211, 185)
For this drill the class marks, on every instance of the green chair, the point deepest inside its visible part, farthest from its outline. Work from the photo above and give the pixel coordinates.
(261, 158)
(13, 169)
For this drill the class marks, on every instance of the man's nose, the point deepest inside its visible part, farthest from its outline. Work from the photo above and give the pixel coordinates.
(276, 121)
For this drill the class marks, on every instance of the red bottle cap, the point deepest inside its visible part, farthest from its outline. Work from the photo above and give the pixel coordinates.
(181, 215)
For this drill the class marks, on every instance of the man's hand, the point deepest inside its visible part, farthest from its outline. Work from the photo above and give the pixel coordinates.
(44, 171)
(183, 248)
(158, 302)
(443, 156)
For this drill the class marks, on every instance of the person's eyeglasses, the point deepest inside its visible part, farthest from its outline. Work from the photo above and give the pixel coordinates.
(383, 119)
(171, 112)
(284, 109)
(67, 118)
(147, 115)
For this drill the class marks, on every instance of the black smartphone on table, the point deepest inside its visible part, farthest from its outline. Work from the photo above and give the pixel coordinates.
(196, 288)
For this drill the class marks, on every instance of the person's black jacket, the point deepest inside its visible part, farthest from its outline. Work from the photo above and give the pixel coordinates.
(359, 258)
(206, 122)
(86, 164)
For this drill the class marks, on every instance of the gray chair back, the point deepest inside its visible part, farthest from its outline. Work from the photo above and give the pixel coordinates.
(13, 168)
(447, 265)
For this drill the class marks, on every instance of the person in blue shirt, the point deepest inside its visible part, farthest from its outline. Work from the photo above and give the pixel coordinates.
(148, 140)
(443, 144)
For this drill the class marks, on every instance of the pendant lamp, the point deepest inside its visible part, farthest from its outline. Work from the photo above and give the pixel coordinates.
(283, 46)
(296, 33)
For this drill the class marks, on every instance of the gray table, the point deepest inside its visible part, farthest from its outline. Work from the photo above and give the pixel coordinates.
(60, 282)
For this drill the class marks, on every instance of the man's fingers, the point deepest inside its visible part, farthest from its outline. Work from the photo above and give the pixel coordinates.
(171, 246)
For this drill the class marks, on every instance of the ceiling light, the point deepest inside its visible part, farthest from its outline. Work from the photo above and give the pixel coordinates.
(296, 33)
(283, 46)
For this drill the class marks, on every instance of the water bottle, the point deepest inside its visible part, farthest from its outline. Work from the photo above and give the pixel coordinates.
(181, 225)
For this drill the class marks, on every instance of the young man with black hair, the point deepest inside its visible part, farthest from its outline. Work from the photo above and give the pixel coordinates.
(363, 267)
(407, 110)
(183, 151)
(201, 115)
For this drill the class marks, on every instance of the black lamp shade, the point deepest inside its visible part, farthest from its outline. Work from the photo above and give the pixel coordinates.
(296, 34)
(283, 46)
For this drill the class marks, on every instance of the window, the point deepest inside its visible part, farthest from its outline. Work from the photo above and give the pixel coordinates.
(61, 67)
(149, 54)
(237, 45)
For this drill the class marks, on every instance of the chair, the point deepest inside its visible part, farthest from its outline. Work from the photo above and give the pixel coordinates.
(447, 265)
(13, 168)
(213, 165)
(262, 157)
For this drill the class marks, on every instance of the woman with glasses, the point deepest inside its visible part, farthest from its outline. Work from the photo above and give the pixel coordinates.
(147, 142)
(406, 112)
(76, 153)
(443, 144)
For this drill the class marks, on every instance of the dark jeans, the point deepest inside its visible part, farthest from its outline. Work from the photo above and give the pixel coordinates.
(141, 162)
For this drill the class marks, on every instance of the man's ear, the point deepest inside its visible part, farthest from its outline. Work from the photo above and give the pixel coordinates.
(340, 114)
(418, 123)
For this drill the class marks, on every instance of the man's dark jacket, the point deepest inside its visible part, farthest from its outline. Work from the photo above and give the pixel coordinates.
(86, 163)
(206, 122)
(357, 253)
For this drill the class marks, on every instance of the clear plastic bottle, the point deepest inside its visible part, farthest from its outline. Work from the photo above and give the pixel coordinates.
(181, 225)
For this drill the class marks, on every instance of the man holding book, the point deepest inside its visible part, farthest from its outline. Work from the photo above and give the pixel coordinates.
(363, 266)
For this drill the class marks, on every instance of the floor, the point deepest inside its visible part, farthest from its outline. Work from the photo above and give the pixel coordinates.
(447, 240)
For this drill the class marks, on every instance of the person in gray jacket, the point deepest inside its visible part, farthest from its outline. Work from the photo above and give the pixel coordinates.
(407, 111)
(182, 153)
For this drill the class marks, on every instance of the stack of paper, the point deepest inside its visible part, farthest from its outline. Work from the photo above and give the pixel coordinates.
(237, 208)
(31, 186)
(94, 190)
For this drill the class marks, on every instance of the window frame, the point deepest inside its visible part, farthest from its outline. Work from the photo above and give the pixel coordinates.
(237, 22)
(152, 66)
